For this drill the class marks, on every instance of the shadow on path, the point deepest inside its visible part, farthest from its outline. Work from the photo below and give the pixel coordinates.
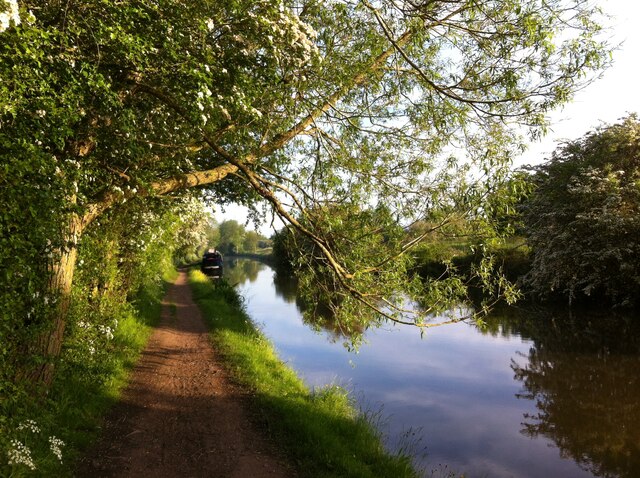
(180, 416)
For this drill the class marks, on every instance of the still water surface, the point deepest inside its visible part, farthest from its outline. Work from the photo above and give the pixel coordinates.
(533, 395)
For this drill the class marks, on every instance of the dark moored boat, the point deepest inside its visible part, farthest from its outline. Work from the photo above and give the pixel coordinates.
(212, 263)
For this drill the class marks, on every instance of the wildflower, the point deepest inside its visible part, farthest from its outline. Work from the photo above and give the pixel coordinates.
(19, 454)
(30, 425)
(55, 445)
(106, 330)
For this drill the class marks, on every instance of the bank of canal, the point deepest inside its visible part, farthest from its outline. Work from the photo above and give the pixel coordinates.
(533, 395)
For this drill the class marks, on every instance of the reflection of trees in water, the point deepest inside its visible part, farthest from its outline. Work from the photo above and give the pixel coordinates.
(239, 271)
(286, 287)
(582, 374)
(316, 316)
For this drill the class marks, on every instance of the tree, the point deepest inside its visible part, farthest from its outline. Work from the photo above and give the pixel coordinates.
(583, 219)
(296, 103)
(250, 243)
(231, 236)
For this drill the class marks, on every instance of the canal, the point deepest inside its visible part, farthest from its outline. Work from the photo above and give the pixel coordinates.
(534, 394)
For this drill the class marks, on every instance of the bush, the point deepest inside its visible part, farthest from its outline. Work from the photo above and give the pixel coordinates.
(583, 220)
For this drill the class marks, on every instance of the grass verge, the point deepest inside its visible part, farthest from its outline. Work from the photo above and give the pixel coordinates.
(321, 432)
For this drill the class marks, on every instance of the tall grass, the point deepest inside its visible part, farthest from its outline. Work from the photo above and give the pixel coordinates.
(321, 431)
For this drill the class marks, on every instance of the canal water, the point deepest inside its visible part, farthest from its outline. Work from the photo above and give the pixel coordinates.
(534, 394)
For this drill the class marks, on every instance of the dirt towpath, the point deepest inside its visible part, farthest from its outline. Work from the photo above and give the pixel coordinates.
(181, 416)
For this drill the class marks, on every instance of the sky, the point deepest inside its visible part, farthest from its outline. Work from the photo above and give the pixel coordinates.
(612, 96)
(608, 98)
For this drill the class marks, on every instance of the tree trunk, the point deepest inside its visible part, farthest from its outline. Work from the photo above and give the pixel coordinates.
(47, 347)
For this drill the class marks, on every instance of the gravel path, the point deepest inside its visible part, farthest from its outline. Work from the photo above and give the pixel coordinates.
(181, 416)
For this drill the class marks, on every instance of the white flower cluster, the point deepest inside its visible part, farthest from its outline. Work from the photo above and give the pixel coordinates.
(107, 331)
(299, 36)
(9, 14)
(19, 454)
(93, 340)
(30, 425)
(55, 444)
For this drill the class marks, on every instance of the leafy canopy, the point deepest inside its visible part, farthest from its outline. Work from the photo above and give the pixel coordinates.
(302, 104)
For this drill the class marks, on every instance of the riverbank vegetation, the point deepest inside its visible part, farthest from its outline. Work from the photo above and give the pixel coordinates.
(582, 220)
(320, 431)
(44, 436)
(119, 283)
(574, 225)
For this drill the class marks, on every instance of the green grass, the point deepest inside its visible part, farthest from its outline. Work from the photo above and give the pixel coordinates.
(321, 432)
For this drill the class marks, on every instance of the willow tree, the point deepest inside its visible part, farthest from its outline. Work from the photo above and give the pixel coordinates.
(408, 106)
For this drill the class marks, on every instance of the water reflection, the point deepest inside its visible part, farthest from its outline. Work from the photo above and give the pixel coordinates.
(533, 394)
(238, 271)
(286, 288)
(320, 317)
(582, 376)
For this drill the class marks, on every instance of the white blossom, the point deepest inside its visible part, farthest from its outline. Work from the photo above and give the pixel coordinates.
(10, 14)
(30, 425)
(55, 445)
(19, 454)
